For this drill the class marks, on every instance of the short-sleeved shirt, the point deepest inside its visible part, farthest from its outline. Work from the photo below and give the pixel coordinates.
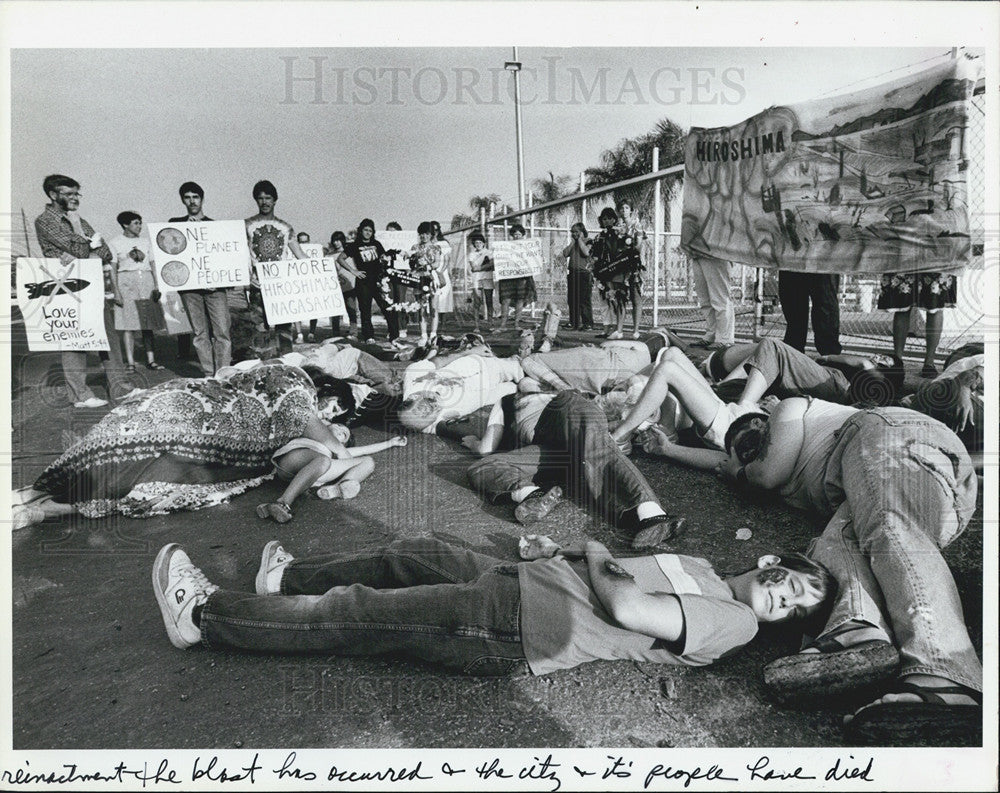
(463, 385)
(121, 246)
(563, 623)
(268, 239)
(367, 256)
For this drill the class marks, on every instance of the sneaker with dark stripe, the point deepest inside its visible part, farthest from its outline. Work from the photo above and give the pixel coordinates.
(537, 505)
(656, 530)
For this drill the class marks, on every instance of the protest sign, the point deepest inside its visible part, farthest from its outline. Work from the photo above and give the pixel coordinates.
(62, 304)
(401, 241)
(300, 289)
(516, 258)
(200, 255)
(312, 250)
(873, 181)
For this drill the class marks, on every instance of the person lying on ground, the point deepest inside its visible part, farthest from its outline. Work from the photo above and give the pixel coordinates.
(955, 397)
(321, 459)
(455, 386)
(896, 487)
(182, 444)
(562, 445)
(680, 396)
(429, 601)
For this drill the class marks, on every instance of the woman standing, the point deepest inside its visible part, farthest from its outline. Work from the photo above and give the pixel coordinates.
(518, 291)
(338, 241)
(581, 280)
(426, 261)
(617, 269)
(136, 280)
(365, 259)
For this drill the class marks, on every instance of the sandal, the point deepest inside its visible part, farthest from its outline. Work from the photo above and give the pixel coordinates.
(130, 368)
(346, 489)
(154, 366)
(277, 511)
(834, 670)
(931, 721)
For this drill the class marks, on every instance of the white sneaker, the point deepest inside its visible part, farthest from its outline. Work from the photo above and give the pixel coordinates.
(273, 560)
(402, 334)
(299, 339)
(179, 586)
(615, 335)
(93, 402)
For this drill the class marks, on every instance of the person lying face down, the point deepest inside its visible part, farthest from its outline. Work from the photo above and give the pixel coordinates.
(430, 601)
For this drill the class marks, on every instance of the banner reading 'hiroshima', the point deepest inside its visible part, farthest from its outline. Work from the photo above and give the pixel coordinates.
(869, 182)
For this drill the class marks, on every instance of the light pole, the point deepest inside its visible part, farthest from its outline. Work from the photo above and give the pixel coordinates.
(515, 67)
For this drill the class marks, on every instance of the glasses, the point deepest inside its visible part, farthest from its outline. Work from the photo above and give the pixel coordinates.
(70, 193)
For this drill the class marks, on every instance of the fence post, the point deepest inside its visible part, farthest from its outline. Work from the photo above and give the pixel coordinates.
(657, 232)
(531, 215)
(583, 202)
(482, 221)
(758, 304)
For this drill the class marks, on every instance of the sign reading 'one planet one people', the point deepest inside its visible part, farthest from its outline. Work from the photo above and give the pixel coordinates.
(201, 255)
(516, 258)
(62, 304)
(295, 290)
(874, 181)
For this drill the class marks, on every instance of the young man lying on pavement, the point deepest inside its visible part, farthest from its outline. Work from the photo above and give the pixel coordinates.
(430, 601)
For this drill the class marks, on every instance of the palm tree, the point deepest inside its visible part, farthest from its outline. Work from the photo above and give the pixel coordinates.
(550, 189)
(634, 156)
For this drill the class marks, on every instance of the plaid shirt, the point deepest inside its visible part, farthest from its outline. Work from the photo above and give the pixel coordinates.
(56, 237)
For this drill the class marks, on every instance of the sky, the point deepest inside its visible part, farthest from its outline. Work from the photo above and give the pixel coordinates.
(390, 133)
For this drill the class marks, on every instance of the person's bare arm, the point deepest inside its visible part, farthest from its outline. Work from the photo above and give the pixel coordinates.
(658, 615)
(783, 440)
(703, 459)
(375, 448)
(490, 441)
(296, 249)
(346, 263)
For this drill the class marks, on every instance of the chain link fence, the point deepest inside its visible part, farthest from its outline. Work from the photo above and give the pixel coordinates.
(669, 294)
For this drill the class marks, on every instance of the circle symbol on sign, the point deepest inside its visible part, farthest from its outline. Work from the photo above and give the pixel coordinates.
(171, 241)
(175, 273)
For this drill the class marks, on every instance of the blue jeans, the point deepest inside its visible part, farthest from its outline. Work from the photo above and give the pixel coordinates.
(208, 311)
(793, 373)
(573, 449)
(906, 489)
(419, 598)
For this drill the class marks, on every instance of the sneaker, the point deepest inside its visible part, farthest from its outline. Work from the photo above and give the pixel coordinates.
(311, 337)
(179, 586)
(527, 343)
(299, 338)
(346, 489)
(537, 505)
(656, 530)
(93, 402)
(24, 515)
(402, 335)
(546, 345)
(273, 561)
(615, 335)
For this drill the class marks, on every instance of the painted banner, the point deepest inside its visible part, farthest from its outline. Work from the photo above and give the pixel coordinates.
(401, 241)
(873, 181)
(62, 304)
(516, 258)
(299, 289)
(201, 255)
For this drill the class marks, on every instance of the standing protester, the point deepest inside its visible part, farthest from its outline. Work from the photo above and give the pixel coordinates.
(137, 285)
(711, 283)
(518, 291)
(580, 279)
(271, 239)
(338, 243)
(445, 296)
(303, 239)
(631, 229)
(63, 234)
(426, 260)
(365, 256)
(207, 309)
(795, 290)
(930, 292)
(617, 265)
(481, 267)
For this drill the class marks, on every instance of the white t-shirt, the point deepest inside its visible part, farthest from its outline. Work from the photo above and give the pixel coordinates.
(463, 385)
(121, 246)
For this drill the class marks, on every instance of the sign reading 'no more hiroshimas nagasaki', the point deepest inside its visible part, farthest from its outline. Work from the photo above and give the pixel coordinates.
(62, 304)
(516, 258)
(299, 289)
(201, 255)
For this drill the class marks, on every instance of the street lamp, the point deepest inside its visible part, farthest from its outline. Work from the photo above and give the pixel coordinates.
(515, 67)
